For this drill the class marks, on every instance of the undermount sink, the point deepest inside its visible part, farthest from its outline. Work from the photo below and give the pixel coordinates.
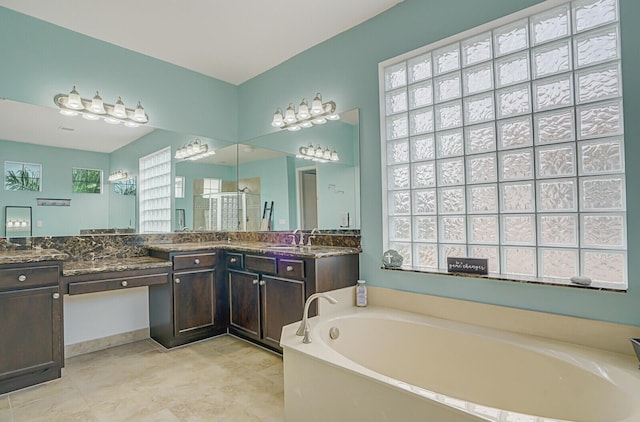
(285, 247)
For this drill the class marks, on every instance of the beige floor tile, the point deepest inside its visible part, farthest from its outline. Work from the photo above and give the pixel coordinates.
(4, 402)
(5, 415)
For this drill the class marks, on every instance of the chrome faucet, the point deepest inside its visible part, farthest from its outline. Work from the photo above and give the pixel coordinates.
(304, 329)
(312, 235)
(301, 241)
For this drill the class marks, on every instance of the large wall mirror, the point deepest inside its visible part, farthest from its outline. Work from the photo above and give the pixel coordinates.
(227, 191)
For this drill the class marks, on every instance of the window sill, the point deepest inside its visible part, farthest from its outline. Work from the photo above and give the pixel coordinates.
(600, 286)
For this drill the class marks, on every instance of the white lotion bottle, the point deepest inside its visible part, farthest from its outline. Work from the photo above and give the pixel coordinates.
(361, 294)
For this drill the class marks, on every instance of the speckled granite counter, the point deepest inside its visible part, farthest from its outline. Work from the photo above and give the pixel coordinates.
(257, 247)
(73, 268)
(31, 255)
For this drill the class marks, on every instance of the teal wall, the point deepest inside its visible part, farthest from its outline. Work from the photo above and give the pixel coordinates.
(345, 69)
(87, 210)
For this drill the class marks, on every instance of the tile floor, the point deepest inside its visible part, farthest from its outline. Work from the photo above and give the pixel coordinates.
(220, 379)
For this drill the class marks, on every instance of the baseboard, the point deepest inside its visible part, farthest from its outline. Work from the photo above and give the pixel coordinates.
(105, 342)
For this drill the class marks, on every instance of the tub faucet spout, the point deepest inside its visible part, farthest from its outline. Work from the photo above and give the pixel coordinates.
(304, 329)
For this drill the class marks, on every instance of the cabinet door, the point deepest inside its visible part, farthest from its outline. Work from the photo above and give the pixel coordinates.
(194, 304)
(30, 331)
(283, 303)
(244, 302)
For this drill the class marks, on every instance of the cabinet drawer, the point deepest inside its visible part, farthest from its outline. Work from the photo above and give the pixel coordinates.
(80, 287)
(291, 268)
(16, 278)
(235, 260)
(263, 264)
(197, 261)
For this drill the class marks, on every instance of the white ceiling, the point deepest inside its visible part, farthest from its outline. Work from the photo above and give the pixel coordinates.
(228, 40)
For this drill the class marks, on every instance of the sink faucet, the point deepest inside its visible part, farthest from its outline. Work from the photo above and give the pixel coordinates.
(312, 235)
(304, 329)
(301, 242)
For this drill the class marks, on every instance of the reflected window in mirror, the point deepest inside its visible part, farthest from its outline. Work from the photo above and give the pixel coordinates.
(86, 180)
(155, 192)
(125, 187)
(22, 176)
(179, 187)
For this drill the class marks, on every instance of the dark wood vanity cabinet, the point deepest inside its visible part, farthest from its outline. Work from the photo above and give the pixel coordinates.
(31, 343)
(268, 292)
(192, 305)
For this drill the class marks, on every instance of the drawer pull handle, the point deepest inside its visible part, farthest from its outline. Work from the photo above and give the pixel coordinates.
(289, 268)
(262, 282)
(196, 261)
(124, 283)
(22, 277)
(233, 260)
(177, 281)
(255, 281)
(56, 295)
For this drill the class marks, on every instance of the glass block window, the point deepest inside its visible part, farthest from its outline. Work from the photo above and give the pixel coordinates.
(155, 192)
(86, 180)
(507, 143)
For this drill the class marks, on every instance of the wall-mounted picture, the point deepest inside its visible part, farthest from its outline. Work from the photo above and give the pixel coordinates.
(125, 187)
(22, 176)
(86, 180)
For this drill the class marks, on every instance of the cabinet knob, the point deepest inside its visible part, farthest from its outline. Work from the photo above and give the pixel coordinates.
(196, 261)
(177, 280)
(56, 295)
(262, 282)
(22, 277)
(233, 260)
(255, 281)
(124, 283)
(289, 268)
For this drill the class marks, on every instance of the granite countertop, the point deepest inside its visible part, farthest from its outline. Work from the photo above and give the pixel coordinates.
(72, 268)
(31, 255)
(258, 247)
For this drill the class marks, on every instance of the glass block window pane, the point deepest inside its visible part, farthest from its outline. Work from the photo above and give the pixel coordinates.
(550, 25)
(554, 126)
(423, 174)
(453, 229)
(606, 193)
(395, 76)
(598, 83)
(603, 230)
(420, 68)
(447, 87)
(513, 69)
(424, 201)
(396, 101)
(596, 47)
(558, 230)
(483, 199)
(511, 37)
(479, 109)
(421, 95)
(480, 138)
(446, 59)
(422, 148)
(425, 229)
(517, 197)
(508, 144)
(556, 161)
(551, 59)
(557, 195)
(477, 49)
(599, 119)
(448, 115)
(155, 192)
(588, 14)
(482, 168)
(553, 92)
(398, 151)
(559, 263)
(449, 143)
(483, 229)
(601, 156)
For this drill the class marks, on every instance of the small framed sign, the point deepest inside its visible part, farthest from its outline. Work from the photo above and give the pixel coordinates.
(478, 266)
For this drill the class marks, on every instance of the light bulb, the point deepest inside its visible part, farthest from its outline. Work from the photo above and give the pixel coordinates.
(112, 121)
(319, 151)
(333, 116)
(326, 154)
(319, 121)
(303, 110)
(334, 156)
(277, 119)
(131, 124)
(74, 101)
(316, 105)
(139, 115)
(119, 110)
(294, 128)
(290, 114)
(306, 124)
(66, 112)
(90, 116)
(97, 105)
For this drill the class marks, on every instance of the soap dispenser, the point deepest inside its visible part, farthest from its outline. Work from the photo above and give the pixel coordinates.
(361, 294)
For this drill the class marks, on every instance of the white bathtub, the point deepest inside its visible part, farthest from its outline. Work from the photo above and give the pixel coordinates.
(389, 365)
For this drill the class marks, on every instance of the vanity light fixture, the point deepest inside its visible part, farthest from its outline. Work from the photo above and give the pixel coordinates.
(319, 154)
(306, 116)
(118, 175)
(18, 224)
(73, 104)
(194, 150)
